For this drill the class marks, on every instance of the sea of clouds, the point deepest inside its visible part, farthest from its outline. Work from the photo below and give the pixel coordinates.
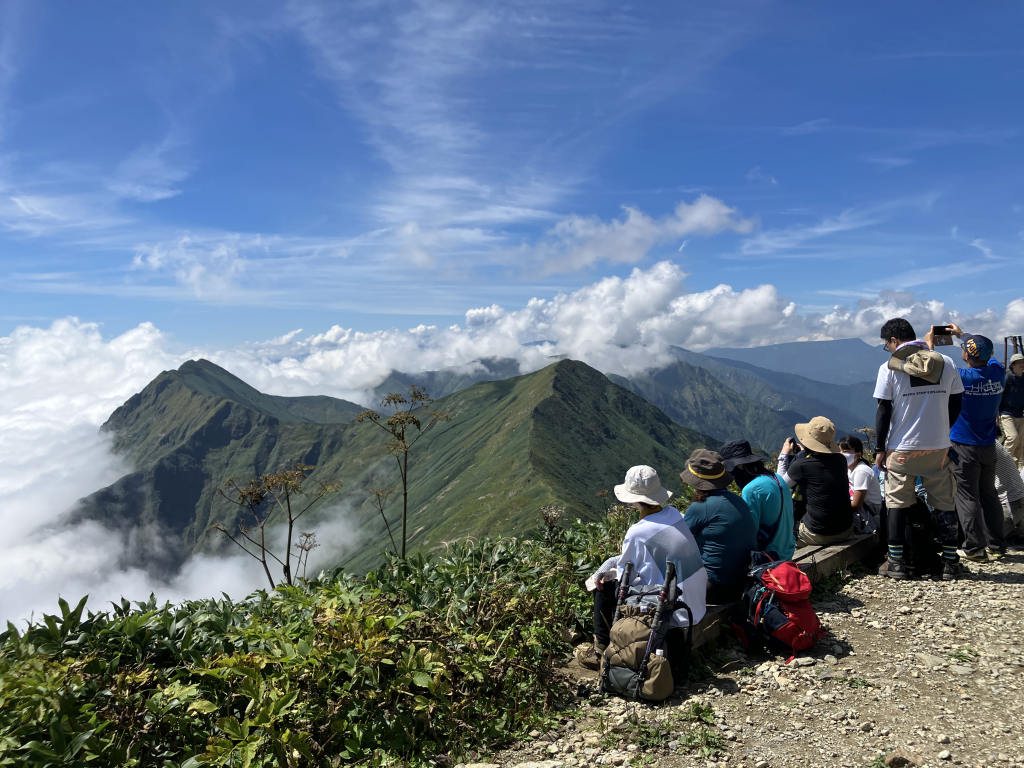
(59, 384)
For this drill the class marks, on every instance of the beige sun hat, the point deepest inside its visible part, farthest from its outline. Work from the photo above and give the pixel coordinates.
(819, 434)
(642, 484)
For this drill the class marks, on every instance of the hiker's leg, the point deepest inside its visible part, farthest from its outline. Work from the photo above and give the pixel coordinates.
(939, 479)
(992, 510)
(900, 495)
(968, 502)
(604, 611)
(1012, 436)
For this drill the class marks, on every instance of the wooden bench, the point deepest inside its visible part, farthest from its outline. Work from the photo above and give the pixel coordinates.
(816, 561)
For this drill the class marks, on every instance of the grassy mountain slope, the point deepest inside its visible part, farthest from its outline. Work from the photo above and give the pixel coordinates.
(555, 436)
(838, 361)
(693, 396)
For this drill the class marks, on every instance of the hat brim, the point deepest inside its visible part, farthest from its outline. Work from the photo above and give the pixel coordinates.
(705, 485)
(750, 458)
(623, 495)
(815, 445)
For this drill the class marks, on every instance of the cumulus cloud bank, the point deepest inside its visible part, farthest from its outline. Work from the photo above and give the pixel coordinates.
(58, 384)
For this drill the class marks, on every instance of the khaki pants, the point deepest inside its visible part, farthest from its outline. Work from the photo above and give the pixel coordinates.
(902, 468)
(1013, 436)
(805, 535)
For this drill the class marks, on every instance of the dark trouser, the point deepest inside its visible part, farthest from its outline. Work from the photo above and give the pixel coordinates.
(897, 526)
(723, 594)
(604, 612)
(977, 503)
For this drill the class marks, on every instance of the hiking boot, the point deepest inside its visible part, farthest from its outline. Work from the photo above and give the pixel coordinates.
(589, 655)
(995, 554)
(893, 567)
(975, 557)
(952, 571)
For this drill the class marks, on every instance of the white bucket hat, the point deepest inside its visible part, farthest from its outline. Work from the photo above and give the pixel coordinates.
(642, 484)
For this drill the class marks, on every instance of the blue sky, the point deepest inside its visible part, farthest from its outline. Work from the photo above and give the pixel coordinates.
(233, 171)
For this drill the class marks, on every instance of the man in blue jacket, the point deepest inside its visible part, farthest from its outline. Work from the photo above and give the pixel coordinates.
(973, 453)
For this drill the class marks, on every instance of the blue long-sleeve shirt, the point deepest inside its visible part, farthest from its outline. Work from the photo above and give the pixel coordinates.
(726, 535)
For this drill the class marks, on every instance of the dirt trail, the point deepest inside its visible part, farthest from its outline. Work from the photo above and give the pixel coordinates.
(934, 669)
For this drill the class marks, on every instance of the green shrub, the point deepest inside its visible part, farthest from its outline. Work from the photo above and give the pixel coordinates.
(431, 655)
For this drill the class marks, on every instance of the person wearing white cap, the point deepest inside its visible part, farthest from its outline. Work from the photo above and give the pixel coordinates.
(659, 537)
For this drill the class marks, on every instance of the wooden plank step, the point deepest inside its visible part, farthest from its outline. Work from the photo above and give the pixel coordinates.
(816, 561)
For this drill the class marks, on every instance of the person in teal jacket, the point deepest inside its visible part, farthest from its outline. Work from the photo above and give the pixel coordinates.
(767, 495)
(721, 523)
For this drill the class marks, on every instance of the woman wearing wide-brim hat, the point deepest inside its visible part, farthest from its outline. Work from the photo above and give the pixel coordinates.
(820, 472)
(721, 523)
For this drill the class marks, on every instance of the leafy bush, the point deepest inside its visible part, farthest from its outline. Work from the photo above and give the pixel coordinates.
(426, 656)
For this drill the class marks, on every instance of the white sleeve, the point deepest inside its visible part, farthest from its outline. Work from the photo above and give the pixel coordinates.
(956, 384)
(630, 554)
(883, 383)
(862, 478)
(784, 459)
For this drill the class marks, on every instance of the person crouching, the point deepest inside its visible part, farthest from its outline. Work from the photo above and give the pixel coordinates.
(659, 537)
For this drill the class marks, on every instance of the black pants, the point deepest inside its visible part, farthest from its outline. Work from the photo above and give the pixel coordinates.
(604, 612)
(723, 594)
(897, 526)
(977, 503)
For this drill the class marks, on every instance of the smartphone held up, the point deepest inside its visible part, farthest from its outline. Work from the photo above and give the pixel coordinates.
(943, 335)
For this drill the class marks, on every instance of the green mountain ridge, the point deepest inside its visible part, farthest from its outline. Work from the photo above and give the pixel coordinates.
(555, 436)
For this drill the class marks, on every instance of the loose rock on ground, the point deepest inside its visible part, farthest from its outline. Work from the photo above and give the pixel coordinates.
(918, 672)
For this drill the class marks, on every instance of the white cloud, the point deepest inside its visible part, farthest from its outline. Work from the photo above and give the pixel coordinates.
(756, 176)
(209, 268)
(777, 241)
(58, 384)
(810, 126)
(577, 242)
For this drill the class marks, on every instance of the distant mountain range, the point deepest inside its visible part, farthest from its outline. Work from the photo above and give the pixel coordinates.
(840, 361)
(552, 437)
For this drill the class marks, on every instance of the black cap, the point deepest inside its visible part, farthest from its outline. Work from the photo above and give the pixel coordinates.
(737, 452)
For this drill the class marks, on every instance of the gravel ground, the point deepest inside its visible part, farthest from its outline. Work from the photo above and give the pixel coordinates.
(926, 673)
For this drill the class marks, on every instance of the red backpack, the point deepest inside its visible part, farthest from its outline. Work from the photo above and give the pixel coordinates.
(779, 613)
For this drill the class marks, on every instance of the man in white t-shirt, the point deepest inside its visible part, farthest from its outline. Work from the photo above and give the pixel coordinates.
(919, 395)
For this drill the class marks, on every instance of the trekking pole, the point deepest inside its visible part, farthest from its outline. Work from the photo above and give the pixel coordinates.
(669, 588)
(620, 599)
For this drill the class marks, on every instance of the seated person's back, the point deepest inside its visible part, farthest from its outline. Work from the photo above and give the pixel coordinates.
(721, 523)
(656, 540)
(726, 535)
(766, 494)
(820, 471)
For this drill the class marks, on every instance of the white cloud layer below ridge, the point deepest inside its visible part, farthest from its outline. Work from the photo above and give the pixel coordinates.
(58, 384)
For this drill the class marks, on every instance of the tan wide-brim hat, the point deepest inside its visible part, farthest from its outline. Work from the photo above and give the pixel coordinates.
(819, 434)
(642, 484)
(705, 471)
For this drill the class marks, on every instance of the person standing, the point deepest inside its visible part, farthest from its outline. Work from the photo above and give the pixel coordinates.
(1010, 487)
(974, 448)
(767, 496)
(919, 396)
(1011, 410)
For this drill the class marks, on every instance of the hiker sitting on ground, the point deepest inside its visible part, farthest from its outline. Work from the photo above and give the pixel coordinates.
(820, 471)
(919, 397)
(721, 523)
(659, 537)
(865, 493)
(767, 496)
